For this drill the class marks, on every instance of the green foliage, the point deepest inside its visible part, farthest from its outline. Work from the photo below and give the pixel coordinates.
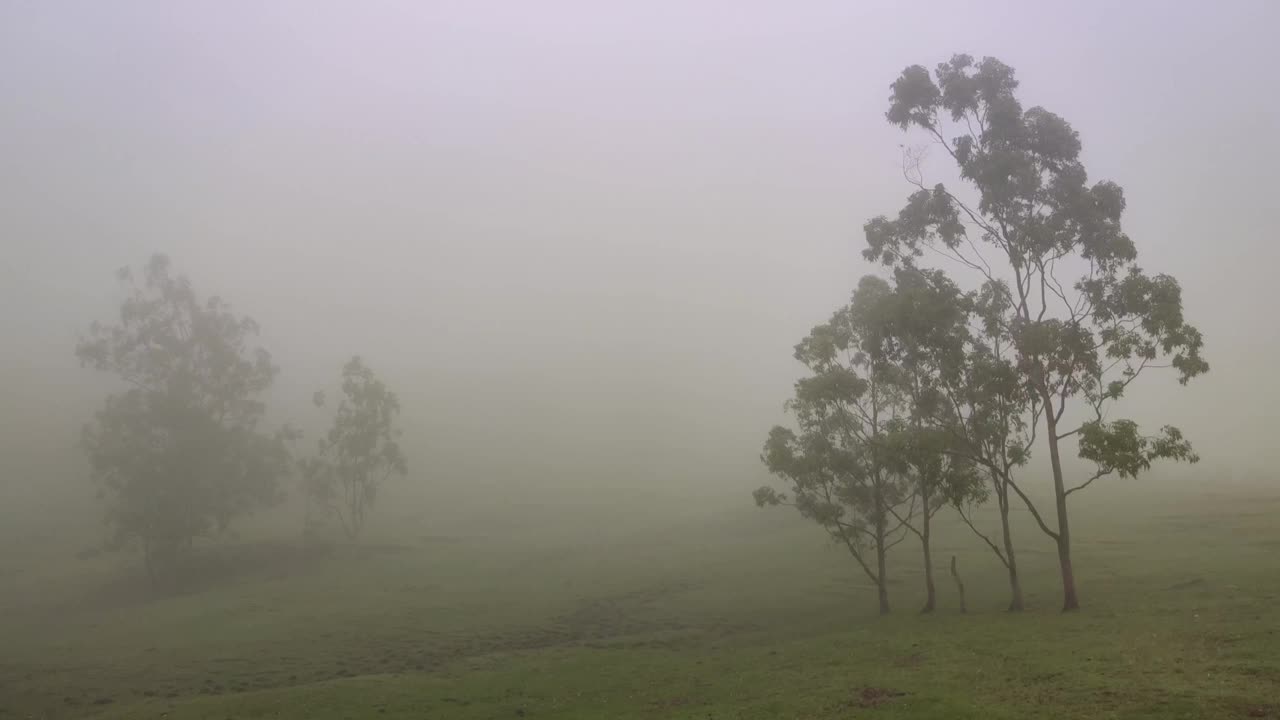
(921, 329)
(861, 465)
(360, 450)
(1030, 215)
(1117, 447)
(177, 453)
(1035, 215)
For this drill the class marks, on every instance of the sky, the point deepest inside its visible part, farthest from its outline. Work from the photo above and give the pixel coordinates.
(581, 238)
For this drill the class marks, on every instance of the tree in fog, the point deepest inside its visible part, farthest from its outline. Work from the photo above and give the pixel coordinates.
(840, 465)
(359, 452)
(918, 331)
(989, 416)
(973, 415)
(1084, 319)
(177, 452)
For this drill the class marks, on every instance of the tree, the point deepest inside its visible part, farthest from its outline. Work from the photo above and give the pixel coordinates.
(1031, 216)
(939, 479)
(359, 452)
(918, 330)
(840, 466)
(990, 418)
(177, 453)
(966, 398)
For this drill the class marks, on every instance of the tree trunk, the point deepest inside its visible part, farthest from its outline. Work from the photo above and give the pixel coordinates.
(964, 608)
(1070, 601)
(930, 593)
(882, 581)
(883, 588)
(1015, 585)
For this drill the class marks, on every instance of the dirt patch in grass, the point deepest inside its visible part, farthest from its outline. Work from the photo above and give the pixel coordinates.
(874, 697)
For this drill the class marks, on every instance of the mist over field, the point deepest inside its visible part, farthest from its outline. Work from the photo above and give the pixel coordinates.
(579, 241)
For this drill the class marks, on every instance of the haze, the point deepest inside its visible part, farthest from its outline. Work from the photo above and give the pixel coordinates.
(578, 237)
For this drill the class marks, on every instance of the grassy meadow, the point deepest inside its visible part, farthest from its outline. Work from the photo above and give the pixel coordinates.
(632, 608)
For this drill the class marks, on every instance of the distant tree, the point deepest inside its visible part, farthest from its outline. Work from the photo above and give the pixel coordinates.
(359, 452)
(841, 466)
(177, 453)
(1032, 217)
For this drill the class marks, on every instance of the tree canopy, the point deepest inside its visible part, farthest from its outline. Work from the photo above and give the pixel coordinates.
(1084, 320)
(843, 465)
(360, 450)
(178, 452)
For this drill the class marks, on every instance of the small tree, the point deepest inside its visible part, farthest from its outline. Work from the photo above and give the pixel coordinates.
(939, 480)
(177, 453)
(1032, 218)
(966, 399)
(359, 452)
(990, 418)
(840, 467)
(918, 331)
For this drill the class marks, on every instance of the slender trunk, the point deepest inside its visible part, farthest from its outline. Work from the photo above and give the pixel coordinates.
(930, 593)
(1070, 601)
(964, 608)
(882, 580)
(883, 584)
(1015, 585)
(882, 512)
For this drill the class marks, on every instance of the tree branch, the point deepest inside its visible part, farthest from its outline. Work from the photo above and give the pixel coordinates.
(1068, 434)
(905, 522)
(967, 521)
(857, 554)
(1087, 483)
(901, 537)
(1034, 512)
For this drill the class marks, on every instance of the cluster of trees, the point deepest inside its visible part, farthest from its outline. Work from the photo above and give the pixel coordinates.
(922, 395)
(180, 450)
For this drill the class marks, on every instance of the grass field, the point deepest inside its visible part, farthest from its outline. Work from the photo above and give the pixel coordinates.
(637, 610)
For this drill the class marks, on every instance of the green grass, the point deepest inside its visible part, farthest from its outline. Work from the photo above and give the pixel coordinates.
(658, 613)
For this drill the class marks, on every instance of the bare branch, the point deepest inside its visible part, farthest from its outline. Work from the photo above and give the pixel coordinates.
(994, 548)
(1087, 483)
(857, 554)
(905, 522)
(889, 546)
(1034, 512)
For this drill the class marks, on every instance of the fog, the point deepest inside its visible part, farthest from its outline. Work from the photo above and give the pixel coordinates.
(579, 239)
